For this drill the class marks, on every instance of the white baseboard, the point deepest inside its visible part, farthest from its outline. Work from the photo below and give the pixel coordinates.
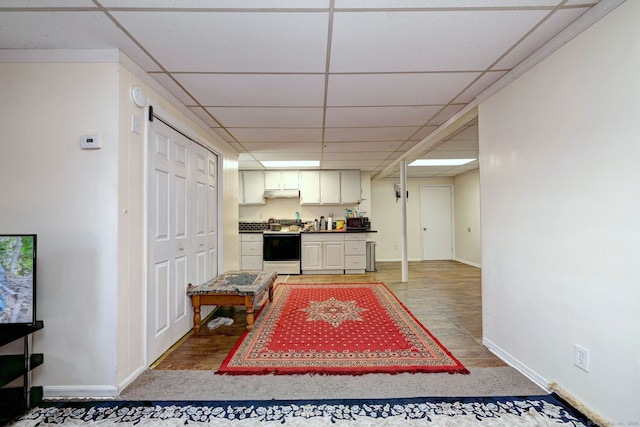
(132, 377)
(471, 263)
(517, 365)
(85, 392)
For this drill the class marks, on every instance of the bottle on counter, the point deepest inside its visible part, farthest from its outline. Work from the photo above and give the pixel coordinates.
(323, 225)
(315, 225)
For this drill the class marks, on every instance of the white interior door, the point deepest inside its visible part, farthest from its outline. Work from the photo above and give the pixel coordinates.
(436, 219)
(179, 223)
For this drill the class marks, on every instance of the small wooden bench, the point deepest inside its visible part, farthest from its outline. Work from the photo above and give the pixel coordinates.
(238, 288)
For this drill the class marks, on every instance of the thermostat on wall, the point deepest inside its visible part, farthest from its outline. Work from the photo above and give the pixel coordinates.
(90, 141)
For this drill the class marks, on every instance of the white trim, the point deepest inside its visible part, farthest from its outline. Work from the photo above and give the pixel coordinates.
(471, 263)
(56, 392)
(60, 55)
(517, 365)
(127, 381)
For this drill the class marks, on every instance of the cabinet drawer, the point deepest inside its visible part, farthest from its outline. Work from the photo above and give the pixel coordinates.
(251, 262)
(252, 248)
(251, 237)
(355, 248)
(355, 262)
(323, 237)
(355, 236)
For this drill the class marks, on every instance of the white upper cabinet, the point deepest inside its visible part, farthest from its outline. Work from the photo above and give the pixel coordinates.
(330, 187)
(350, 190)
(309, 187)
(251, 188)
(282, 180)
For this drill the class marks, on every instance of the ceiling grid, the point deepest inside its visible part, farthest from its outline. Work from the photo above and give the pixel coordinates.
(352, 83)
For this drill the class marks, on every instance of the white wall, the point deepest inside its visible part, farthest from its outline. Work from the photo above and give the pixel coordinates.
(67, 196)
(87, 208)
(560, 196)
(466, 201)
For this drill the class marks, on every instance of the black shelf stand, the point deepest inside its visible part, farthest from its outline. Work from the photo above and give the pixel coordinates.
(15, 399)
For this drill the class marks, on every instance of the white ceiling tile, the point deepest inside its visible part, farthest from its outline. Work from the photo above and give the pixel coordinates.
(233, 41)
(218, 4)
(350, 164)
(202, 114)
(450, 154)
(369, 134)
(358, 147)
(446, 114)
(286, 155)
(379, 116)
(478, 86)
(423, 133)
(417, 4)
(255, 90)
(266, 135)
(396, 89)
(467, 134)
(425, 41)
(48, 3)
(552, 26)
(281, 147)
(267, 117)
(175, 89)
(378, 156)
(67, 30)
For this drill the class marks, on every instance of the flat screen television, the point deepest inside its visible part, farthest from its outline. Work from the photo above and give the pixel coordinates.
(17, 279)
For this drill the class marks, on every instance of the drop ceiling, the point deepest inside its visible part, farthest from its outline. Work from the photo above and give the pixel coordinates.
(355, 84)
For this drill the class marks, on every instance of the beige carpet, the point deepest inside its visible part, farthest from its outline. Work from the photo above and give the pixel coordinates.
(204, 385)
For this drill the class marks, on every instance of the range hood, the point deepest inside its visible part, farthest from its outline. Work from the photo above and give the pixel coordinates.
(281, 194)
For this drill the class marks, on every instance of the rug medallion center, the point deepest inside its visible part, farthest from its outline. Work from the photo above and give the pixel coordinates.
(333, 311)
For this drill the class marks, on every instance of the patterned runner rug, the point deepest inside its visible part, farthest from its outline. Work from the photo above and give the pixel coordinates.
(351, 329)
(547, 410)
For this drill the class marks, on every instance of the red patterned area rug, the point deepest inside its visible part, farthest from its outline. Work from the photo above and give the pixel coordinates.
(350, 329)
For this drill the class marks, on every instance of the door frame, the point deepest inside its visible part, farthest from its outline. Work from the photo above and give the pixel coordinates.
(452, 231)
(180, 126)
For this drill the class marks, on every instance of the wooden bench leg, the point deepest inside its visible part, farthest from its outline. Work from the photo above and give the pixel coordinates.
(248, 303)
(195, 302)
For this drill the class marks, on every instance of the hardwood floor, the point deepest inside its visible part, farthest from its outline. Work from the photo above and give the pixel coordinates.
(443, 295)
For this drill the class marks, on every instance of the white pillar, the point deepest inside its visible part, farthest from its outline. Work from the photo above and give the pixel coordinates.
(403, 198)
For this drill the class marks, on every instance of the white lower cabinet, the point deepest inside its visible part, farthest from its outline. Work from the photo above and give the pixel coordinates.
(322, 253)
(355, 253)
(250, 251)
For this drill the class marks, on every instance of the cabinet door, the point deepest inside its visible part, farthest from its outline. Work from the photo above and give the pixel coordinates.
(333, 256)
(272, 180)
(350, 191)
(253, 183)
(309, 187)
(330, 187)
(311, 257)
(290, 180)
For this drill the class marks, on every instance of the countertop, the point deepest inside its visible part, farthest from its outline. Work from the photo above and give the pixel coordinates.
(339, 231)
(316, 232)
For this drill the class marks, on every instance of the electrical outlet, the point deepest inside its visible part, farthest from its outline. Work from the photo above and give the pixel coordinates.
(581, 357)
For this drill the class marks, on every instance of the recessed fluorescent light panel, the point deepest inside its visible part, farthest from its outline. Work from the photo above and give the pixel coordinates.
(290, 163)
(440, 162)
